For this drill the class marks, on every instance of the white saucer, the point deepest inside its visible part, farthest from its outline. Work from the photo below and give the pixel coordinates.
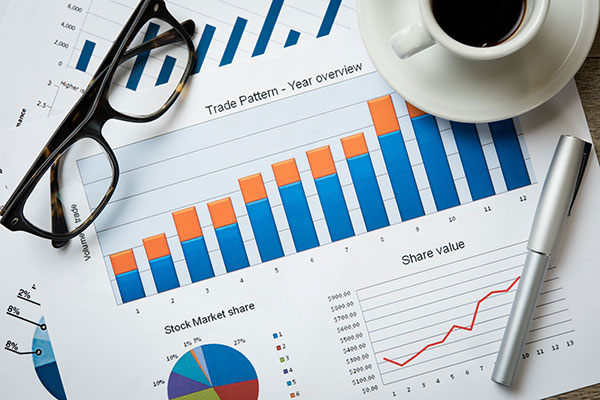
(480, 91)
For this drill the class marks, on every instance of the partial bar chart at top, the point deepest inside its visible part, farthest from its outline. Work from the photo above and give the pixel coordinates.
(225, 33)
(288, 177)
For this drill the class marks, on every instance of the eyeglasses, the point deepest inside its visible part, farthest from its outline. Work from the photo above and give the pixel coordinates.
(128, 60)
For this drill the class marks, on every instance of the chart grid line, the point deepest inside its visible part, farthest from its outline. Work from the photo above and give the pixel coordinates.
(449, 354)
(444, 287)
(437, 323)
(446, 298)
(448, 263)
(444, 367)
(447, 275)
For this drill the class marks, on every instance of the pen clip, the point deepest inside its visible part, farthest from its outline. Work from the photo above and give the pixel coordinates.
(587, 148)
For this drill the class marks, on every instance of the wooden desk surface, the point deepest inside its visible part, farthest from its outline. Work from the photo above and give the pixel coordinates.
(588, 82)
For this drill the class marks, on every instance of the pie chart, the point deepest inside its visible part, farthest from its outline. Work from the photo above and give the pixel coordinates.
(213, 372)
(44, 362)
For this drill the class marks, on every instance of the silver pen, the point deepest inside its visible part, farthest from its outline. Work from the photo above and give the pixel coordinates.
(554, 206)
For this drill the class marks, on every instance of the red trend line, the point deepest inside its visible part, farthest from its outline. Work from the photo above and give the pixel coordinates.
(466, 328)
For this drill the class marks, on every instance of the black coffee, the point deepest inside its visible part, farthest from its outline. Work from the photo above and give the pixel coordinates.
(479, 23)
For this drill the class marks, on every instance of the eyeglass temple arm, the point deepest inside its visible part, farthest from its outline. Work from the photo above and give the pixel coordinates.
(59, 224)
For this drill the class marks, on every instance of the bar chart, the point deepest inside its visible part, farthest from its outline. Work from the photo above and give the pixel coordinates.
(84, 32)
(225, 37)
(191, 206)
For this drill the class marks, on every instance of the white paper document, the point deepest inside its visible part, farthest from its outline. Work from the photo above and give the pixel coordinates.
(46, 69)
(3, 8)
(295, 229)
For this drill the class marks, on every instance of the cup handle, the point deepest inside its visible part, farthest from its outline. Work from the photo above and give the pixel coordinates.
(411, 39)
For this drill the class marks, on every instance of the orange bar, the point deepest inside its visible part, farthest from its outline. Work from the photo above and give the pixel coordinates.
(221, 213)
(123, 262)
(384, 115)
(253, 188)
(156, 246)
(187, 224)
(413, 111)
(354, 145)
(321, 162)
(286, 172)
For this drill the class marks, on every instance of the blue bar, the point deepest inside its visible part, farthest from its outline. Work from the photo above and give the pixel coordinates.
(334, 207)
(234, 41)
(292, 38)
(267, 29)
(163, 271)
(401, 175)
(85, 56)
(130, 286)
(203, 45)
(435, 161)
(232, 247)
(329, 18)
(197, 259)
(166, 70)
(367, 191)
(473, 160)
(509, 153)
(298, 216)
(265, 230)
(142, 59)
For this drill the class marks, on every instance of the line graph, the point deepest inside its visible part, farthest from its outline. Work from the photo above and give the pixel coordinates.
(407, 318)
(466, 328)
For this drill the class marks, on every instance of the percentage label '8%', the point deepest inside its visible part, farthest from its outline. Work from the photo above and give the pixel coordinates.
(13, 310)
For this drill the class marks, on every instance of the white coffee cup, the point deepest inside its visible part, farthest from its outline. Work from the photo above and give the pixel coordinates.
(425, 31)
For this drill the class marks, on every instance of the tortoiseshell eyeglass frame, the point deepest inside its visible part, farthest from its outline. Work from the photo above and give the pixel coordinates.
(88, 116)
